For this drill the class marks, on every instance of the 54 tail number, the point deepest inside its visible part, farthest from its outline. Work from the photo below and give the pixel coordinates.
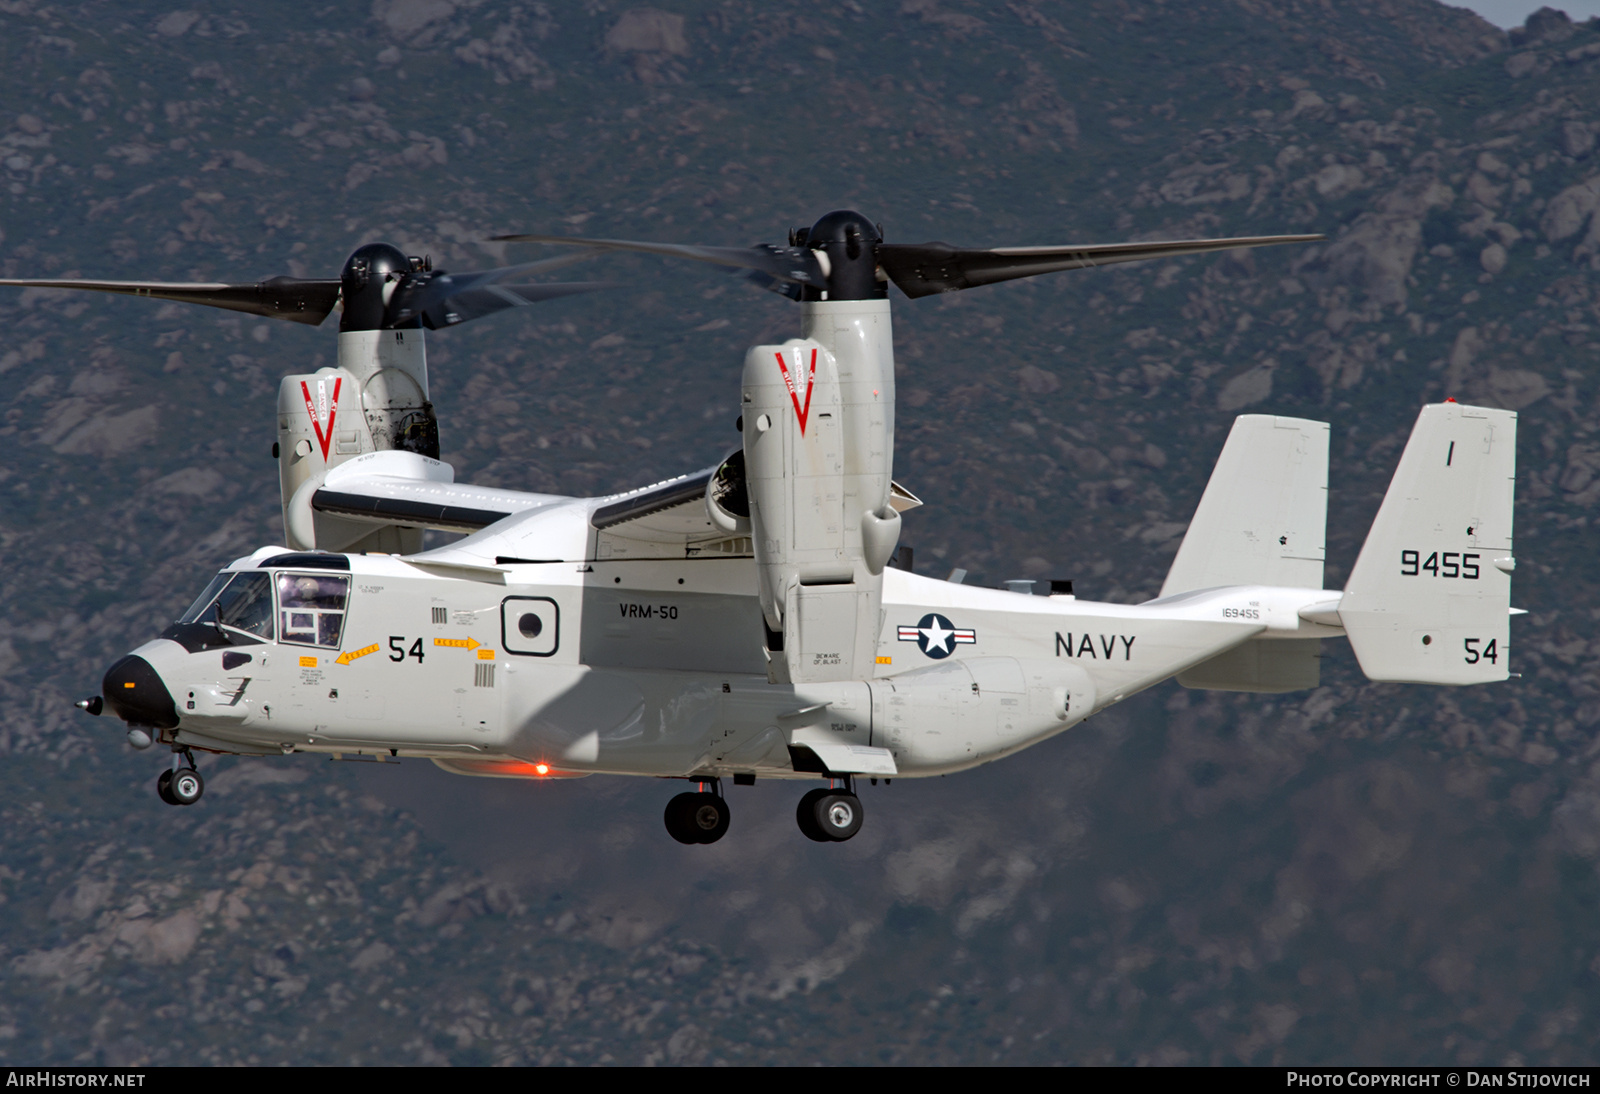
(1477, 651)
(1447, 564)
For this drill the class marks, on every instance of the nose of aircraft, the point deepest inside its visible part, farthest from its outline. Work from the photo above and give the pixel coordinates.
(135, 692)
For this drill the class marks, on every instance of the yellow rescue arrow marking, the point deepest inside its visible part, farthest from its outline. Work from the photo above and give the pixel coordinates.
(461, 643)
(346, 658)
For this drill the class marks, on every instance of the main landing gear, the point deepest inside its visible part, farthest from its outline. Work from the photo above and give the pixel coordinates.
(700, 816)
(181, 784)
(830, 814)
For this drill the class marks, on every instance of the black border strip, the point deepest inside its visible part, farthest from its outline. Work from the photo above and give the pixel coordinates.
(653, 501)
(451, 518)
(503, 619)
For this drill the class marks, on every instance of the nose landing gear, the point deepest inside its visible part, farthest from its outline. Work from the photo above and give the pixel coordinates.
(181, 784)
(830, 814)
(698, 817)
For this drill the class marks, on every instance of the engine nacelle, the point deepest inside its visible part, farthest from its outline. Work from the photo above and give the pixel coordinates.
(375, 401)
(818, 416)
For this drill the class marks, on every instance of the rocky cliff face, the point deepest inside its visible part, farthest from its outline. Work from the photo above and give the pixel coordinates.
(1358, 872)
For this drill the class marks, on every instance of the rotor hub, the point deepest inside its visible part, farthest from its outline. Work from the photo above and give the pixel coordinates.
(370, 276)
(850, 242)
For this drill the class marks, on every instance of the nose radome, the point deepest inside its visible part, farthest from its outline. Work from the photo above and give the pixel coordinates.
(135, 692)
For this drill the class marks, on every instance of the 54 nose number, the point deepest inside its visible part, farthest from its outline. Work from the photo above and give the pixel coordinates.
(398, 651)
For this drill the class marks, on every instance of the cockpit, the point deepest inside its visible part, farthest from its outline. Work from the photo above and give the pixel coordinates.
(242, 608)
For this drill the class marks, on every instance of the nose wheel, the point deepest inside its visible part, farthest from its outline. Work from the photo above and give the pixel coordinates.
(181, 785)
(697, 817)
(829, 814)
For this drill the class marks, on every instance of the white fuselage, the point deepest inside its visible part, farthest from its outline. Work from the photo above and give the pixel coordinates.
(656, 666)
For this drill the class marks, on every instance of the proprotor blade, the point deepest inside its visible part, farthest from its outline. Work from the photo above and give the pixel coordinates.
(922, 269)
(785, 264)
(464, 297)
(291, 298)
(440, 299)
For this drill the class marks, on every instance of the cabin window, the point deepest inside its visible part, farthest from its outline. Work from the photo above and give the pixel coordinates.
(311, 608)
(530, 625)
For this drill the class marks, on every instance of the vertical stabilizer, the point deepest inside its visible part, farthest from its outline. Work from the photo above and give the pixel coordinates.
(1429, 599)
(1263, 516)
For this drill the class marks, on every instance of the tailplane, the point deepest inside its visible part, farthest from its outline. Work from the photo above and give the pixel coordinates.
(1429, 600)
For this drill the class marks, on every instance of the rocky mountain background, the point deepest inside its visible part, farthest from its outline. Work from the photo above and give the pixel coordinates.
(1356, 873)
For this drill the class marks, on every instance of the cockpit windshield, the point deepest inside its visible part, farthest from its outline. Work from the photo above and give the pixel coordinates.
(239, 602)
(203, 601)
(312, 606)
(246, 605)
(311, 609)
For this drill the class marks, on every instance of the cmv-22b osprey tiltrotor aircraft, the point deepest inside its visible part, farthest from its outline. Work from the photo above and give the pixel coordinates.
(754, 620)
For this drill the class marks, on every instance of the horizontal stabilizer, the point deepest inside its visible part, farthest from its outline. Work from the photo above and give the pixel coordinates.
(1262, 518)
(1429, 599)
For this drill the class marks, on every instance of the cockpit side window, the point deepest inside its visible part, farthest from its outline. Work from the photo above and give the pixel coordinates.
(312, 607)
(246, 605)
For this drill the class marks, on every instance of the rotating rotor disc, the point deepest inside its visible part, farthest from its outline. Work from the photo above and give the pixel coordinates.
(380, 288)
(845, 256)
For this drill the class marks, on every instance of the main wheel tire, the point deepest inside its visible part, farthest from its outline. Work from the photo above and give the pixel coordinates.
(697, 818)
(164, 787)
(805, 815)
(709, 818)
(676, 818)
(838, 815)
(186, 786)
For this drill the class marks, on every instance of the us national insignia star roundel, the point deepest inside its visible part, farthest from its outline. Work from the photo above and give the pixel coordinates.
(936, 636)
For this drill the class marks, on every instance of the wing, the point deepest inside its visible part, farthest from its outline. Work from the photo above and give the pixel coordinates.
(665, 520)
(411, 491)
(674, 513)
